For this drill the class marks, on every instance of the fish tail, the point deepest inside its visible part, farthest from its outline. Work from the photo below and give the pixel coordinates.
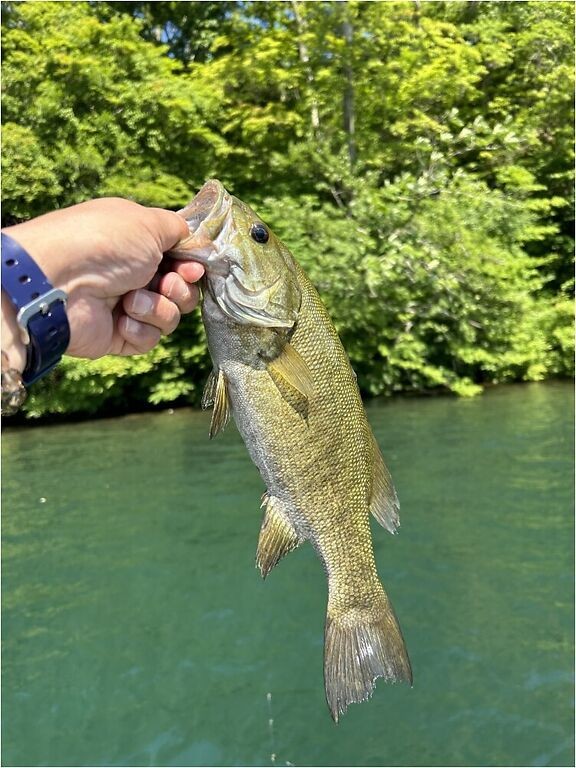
(361, 644)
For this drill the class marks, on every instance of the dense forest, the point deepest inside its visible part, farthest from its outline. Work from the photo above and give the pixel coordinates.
(416, 157)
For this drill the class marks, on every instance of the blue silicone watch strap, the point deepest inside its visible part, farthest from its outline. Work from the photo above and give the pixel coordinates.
(41, 310)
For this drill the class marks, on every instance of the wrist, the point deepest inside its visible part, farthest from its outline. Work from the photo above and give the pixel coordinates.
(37, 319)
(44, 246)
(12, 343)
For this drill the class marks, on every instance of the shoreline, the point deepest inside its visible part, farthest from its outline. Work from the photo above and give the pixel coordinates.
(20, 420)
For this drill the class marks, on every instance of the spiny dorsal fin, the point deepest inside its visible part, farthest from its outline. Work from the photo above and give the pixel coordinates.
(277, 535)
(221, 412)
(209, 391)
(384, 503)
(293, 378)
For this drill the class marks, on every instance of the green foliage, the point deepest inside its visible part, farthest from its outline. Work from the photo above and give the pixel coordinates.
(187, 28)
(430, 288)
(174, 371)
(93, 110)
(416, 158)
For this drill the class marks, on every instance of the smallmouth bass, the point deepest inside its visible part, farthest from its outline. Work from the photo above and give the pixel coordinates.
(282, 372)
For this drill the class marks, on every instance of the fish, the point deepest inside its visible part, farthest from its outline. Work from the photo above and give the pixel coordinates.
(281, 371)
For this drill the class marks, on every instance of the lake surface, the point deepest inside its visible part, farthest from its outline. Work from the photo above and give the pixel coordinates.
(136, 630)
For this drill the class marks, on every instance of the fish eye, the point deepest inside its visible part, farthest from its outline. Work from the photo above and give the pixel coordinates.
(259, 232)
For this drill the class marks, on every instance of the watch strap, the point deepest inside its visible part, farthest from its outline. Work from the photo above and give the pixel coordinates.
(40, 308)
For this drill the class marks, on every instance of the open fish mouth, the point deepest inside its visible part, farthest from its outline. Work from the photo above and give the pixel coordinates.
(207, 218)
(205, 201)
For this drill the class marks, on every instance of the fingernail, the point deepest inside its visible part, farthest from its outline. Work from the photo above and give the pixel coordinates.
(175, 291)
(142, 304)
(184, 294)
(169, 287)
(133, 327)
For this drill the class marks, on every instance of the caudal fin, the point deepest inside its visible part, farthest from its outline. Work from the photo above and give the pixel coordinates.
(362, 644)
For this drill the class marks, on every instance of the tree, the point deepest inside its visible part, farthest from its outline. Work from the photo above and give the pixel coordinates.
(188, 29)
(416, 157)
(102, 111)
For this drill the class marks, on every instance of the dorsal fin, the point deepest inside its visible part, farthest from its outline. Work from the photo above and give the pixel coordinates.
(384, 503)
(277, 535)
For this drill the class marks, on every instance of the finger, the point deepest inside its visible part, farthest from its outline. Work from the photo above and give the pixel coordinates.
(183, 294)
(138, 337)
(190, 271)
(168, 226)
(152, 309)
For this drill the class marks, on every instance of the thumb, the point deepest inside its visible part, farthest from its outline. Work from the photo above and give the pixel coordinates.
(169, 227)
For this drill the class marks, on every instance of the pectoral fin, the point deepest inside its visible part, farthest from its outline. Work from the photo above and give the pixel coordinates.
(277, 535)
(384, 504)
(293, 378)
(216, 394)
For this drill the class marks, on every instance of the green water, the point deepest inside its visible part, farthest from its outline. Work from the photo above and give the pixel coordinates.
(137, 631)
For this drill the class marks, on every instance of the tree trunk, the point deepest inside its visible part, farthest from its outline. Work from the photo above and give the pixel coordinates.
(305, 60)
(348, 106)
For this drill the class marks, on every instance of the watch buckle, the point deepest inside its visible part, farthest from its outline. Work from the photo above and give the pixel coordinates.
(40, 305)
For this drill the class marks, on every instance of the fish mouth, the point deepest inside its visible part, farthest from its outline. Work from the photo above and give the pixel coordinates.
(206, 217)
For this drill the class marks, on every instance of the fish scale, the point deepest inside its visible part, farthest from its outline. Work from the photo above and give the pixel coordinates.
(282, 372)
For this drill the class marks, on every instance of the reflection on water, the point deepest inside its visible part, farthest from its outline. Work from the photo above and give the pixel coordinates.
(136, 630)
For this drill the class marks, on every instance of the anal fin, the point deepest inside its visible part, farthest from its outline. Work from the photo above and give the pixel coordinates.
(277, 535)
(384, 504)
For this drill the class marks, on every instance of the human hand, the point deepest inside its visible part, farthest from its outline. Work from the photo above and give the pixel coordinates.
(107, 255)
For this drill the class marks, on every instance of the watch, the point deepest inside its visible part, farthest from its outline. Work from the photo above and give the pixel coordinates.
(40, 310)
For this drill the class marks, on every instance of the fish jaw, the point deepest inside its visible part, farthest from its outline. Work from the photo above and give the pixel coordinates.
(206, 216)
